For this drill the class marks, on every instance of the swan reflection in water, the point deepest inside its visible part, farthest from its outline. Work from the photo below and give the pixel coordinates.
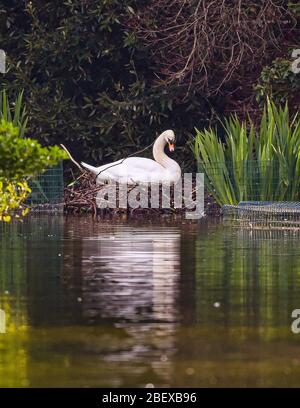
(131, 279)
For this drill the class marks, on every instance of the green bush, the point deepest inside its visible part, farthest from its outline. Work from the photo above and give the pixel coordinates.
(20, 160)
(252, 164)
(23, 158)
(277, 81)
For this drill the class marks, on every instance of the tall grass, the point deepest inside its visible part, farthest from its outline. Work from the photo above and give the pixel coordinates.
(250, 163)
(14, 112)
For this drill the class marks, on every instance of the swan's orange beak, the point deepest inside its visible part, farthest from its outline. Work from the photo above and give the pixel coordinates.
(171, 147)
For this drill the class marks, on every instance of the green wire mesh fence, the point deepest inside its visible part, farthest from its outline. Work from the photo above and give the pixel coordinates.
(47, 191)
(263, 215)
(256, 194)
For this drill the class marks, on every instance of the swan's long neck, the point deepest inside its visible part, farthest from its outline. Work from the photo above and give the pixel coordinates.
(160, 156)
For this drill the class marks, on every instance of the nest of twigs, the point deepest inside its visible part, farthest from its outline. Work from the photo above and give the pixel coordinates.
(84, 195)
(81, 197)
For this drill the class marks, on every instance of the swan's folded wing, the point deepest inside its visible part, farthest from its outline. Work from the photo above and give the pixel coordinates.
(131, 170)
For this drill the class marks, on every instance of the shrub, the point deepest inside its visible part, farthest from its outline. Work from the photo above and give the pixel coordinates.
(20, 160)
(277, 81)
(12, 196)
(212, 46)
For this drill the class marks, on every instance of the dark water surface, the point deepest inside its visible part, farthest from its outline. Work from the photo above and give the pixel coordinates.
(168, 304)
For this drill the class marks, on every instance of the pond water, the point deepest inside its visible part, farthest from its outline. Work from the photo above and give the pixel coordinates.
(135, 303)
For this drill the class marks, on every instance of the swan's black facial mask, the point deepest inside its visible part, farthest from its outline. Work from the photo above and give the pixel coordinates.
(171, 144)
(171, 147)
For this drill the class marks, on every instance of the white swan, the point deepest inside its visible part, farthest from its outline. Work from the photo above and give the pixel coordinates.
(136, 170)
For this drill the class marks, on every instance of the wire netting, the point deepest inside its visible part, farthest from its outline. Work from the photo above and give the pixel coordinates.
(47, 190)
(263, 215)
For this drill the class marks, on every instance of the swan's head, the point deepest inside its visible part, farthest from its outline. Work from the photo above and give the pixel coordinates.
(170, 139)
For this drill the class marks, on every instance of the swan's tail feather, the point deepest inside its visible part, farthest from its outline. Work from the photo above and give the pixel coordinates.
(90, 168)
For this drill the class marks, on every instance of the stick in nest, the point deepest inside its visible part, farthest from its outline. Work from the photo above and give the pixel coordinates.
(71, 158)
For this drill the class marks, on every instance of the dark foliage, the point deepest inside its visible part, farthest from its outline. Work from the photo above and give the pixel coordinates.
(90, 68)
(87, 81)
(218, 47)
